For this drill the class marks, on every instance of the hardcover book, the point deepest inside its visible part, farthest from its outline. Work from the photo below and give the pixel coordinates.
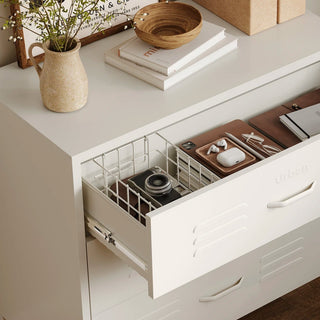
(169, 61)
(163, 82)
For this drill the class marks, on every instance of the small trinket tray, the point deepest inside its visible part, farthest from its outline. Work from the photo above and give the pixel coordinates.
(211, 159)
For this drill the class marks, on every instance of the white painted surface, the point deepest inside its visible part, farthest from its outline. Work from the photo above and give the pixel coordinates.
(37, 168)
(186, 252)
(112, 282)
(121, 108)
(229, 224)
(314, 6)
(162, 251)
(42, 246)
(267, 273)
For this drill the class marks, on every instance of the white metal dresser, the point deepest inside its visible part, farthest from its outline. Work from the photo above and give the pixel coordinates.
(207, 255)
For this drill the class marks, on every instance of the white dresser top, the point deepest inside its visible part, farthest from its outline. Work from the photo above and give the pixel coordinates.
(121, 107)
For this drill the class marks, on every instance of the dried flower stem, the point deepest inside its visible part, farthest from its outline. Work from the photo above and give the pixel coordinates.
(50, 20)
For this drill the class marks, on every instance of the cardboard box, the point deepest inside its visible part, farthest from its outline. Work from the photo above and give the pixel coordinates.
(288, 9)
(250, 16)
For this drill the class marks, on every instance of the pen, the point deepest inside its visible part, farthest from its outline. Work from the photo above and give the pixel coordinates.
(245, 146)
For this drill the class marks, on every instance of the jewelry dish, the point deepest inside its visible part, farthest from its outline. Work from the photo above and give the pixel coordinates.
(167, 25)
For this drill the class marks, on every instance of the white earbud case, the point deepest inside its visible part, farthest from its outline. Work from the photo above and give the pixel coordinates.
(231, 157)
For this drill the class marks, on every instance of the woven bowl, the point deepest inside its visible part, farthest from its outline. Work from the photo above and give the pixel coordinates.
(167, 25)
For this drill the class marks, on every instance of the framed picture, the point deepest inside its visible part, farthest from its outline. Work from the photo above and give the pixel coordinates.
(117, 24)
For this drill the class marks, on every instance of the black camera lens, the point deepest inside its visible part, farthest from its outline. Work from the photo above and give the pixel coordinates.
(158, 184)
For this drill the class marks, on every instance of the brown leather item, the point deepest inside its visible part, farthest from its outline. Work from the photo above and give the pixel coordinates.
(211, 159)
(269, 124)
(235, 127)
(305, 100)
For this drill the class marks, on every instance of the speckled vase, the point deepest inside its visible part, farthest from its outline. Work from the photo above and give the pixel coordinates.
(63, 79)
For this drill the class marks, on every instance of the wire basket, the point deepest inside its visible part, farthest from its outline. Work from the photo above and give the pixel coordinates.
(109, 172)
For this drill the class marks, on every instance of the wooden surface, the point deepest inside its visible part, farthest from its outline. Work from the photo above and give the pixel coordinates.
(300, 304)
(211, 159)
(236, 127)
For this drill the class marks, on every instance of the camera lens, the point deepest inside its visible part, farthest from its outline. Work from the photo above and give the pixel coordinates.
(158, 184)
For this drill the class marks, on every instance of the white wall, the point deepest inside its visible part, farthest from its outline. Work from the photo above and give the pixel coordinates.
(314, 5)
(7, 49)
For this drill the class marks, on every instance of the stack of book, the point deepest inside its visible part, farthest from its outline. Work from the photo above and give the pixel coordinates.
(164, 68)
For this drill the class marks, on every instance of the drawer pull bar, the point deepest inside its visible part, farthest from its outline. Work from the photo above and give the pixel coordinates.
(222, 293)
(106, 237)
(296, 197)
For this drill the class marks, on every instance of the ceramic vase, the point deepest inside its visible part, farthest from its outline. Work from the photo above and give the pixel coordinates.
(63, 79)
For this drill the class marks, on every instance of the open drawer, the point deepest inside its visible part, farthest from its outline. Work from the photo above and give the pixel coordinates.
(216, 221)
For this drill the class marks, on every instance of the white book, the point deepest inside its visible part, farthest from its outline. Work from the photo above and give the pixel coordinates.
(169, 61)
(164, 82)
(304, 123)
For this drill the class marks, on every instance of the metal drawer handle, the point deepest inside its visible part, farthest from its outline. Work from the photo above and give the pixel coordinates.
(299, 195)
(222, 293)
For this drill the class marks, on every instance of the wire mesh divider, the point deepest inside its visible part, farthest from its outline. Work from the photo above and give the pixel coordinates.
(109, 172)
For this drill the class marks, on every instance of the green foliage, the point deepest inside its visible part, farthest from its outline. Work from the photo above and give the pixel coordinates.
(53, 20)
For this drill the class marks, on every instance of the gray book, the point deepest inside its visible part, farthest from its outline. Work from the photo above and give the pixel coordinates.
(304, 123)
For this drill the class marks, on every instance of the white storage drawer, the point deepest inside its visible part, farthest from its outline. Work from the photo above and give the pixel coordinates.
(232, 216)
(176, 305)
(228, 292)
(274, 270)
(186, 303)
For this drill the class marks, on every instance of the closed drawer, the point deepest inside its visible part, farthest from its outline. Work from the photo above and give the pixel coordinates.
(176, 305)
(233, 216)
(141, 307)
(118, 292)
(185, 303)
(245, 283)
(279, 267)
